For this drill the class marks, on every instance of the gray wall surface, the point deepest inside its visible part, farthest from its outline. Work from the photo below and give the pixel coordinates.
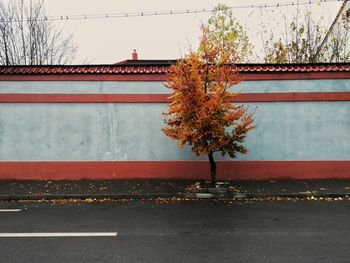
(132, 131)
(158, 87)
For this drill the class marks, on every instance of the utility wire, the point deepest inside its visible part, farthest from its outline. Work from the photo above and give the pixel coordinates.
(166, 12)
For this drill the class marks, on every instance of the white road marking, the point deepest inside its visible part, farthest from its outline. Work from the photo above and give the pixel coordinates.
(61, 234)
(10, 210)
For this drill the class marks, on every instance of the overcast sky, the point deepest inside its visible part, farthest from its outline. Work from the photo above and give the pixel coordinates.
(105, 41)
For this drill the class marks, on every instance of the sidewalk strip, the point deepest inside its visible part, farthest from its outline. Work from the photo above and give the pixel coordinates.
(61, 234)
(10, 210)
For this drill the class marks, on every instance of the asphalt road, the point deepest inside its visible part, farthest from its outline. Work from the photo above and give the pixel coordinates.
(202, 231)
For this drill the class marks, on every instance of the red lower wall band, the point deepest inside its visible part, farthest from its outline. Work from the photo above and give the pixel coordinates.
(164, 98)
(76, 170)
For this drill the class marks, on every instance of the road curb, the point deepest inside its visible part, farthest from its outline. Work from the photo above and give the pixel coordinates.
(170, 195)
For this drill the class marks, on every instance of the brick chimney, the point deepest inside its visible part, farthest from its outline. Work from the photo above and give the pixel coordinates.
(134, 55)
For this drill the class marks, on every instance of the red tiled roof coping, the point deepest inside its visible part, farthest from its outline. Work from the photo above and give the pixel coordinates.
(162, 68)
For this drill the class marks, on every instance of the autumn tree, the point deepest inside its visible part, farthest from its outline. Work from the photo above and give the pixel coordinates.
(298, 45)
(201, 114)
(306, 40)
(27, 37)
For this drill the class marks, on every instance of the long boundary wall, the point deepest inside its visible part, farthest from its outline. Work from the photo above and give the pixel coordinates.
(71, 126)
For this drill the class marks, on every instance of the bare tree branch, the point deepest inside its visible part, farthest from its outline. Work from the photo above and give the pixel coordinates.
(27, 40)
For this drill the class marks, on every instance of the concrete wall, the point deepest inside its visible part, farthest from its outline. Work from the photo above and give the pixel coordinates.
(314, 85)
(132, 131)
(298, 131)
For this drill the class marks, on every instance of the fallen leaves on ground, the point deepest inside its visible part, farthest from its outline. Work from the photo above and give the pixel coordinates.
(72, 200)
(180, 199)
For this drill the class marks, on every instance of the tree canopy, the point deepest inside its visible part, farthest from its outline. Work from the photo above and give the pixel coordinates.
(201, 113)
(309, 41)
(223, 31)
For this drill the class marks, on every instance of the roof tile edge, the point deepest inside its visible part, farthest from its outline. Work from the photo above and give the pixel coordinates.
(163, 66)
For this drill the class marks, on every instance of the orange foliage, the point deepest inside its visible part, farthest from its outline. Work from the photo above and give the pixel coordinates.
(201, 113)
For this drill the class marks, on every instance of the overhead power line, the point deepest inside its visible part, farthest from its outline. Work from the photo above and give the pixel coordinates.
(167, 12)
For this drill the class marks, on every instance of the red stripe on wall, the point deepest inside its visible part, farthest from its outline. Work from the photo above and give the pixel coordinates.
(87, 77)
(164, 98)
(76, 170)
(292, 96)
(293, 76)
(163, 77)
(82, 98)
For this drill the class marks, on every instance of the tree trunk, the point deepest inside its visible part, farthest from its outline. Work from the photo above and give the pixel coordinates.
(212, 170)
